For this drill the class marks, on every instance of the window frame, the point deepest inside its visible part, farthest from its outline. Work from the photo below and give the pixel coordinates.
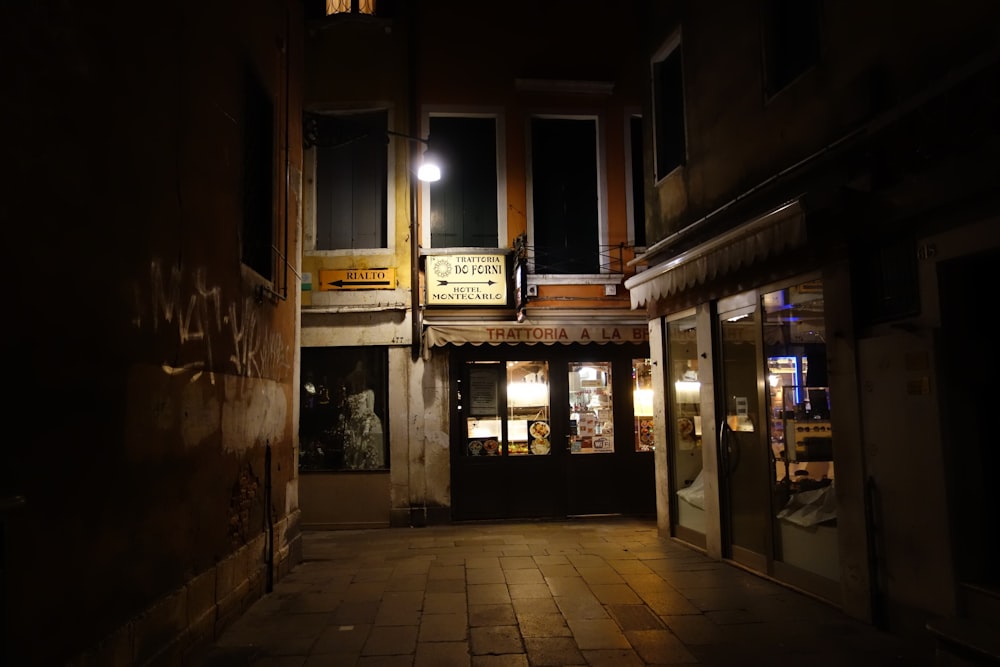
(501, 161)
(260, 194)
(632, 208)
(773, 80)
(670, 47)
(312, 414)
(601, 192)
(310, 208)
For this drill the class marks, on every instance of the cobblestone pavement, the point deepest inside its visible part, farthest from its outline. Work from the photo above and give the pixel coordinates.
(575, 592)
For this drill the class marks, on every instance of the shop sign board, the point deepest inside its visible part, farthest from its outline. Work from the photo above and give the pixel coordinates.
(472, 280)
(357, 279)
(530, 334)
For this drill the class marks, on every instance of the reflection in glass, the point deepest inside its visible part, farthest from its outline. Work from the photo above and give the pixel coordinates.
(801, 433)
(685, 422)
(743, 451)
(343, 421)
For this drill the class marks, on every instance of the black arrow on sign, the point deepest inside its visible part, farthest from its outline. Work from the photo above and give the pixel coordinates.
(351, 283)
(441, 283)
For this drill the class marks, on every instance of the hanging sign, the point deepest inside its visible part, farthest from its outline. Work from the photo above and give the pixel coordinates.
(467, 280)
(356, 279)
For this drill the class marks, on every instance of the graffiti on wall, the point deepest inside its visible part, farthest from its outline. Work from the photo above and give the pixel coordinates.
(203, 320)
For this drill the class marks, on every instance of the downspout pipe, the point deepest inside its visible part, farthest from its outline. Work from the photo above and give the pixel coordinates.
(415, 323)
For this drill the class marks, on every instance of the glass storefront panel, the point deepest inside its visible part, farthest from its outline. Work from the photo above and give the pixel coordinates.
(343, 421)
(591, 408)
(744, 456)
(507, 409)
(642, 404)
(482, 401)
(801, 433)
(528, 427)
(685, 426)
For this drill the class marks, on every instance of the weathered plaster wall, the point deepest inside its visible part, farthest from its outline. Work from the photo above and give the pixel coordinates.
(872, 58)
(156, 379)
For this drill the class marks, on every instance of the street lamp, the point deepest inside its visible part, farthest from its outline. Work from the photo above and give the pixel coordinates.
(429, 170)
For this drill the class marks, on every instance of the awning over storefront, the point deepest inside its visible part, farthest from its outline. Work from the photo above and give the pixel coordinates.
(749, 243)
(533, 333)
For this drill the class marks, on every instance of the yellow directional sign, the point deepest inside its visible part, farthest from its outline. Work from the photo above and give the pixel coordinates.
(355, 279)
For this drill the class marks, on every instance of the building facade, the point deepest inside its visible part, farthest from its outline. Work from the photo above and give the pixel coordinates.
(153, 168)
(821, 206)
(498, 366)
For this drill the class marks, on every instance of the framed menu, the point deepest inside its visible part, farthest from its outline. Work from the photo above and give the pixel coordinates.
(483, 392)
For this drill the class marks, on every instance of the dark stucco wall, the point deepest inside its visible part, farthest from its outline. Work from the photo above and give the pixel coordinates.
(152, 372)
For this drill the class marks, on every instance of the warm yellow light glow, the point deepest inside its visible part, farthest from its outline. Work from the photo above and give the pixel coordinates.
(527, 394)
(688, 391)
(344, 7)
(773, 379)
(642, 402)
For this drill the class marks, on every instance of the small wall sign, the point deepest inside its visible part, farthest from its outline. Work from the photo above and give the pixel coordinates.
(357, 279)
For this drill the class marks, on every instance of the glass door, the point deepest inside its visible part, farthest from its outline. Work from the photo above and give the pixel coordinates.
(745, 467)
(684, 389)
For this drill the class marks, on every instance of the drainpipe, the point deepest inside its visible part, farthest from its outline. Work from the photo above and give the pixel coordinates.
(415, 322)
(268, 522)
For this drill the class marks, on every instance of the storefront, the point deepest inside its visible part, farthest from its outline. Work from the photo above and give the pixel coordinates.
(748, 466)
(548, 420)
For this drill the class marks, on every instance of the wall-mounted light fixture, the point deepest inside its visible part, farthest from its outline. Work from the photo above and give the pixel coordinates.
(429, 170)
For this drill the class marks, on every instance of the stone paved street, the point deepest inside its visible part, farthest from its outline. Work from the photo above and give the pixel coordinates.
(576, 592)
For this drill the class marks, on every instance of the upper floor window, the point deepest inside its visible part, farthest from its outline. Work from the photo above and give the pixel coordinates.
(464, 203)
(257, 233)
(351, 180)
(564, 224)
(350, 7)
(636, 182)
(791, 38)
(668, 109)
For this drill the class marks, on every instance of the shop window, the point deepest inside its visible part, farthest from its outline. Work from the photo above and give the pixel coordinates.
(528, 425)
(670, 145)
(591, 408)
(800, 427)
(564, 226)
(351, 175)
(463, 203)
(642, 405)
(343, 420)
(507, 408)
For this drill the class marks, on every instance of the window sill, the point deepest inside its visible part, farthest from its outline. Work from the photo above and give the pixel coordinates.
(576, 278)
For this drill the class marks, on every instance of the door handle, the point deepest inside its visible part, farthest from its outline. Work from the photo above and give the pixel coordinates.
(731, 452)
